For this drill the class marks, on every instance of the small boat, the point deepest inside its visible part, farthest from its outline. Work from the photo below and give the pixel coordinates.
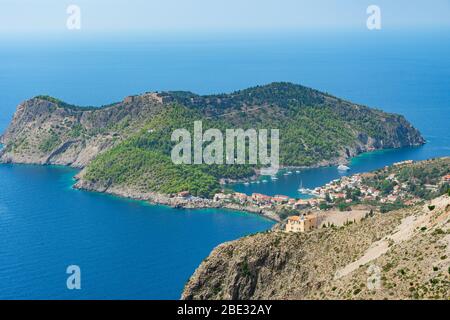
(303, 190)
(264, 181)
(289, 172)
(274, 178)
(246, 184)
(258, 182)
(297, 171)
(342, 167)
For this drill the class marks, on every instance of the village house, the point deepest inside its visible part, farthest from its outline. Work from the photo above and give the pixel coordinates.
(403, 162)
(337, 196)
(431, 187)
(261, 198)
(391, 198)
(302, 223)
(241, 197)
(221, 196)
(300, 204)
(280, 199)
(391, 177)
(315, 202)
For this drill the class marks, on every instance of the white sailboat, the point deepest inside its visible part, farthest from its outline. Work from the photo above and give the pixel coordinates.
(301, 189)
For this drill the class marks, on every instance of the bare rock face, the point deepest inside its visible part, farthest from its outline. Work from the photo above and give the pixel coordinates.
(399, 255)
(47, 131)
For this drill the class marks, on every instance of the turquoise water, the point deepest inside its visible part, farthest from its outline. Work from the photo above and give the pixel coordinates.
(125, 249)
(130, 250)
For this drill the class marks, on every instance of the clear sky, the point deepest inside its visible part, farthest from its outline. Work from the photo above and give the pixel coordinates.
(44, 16)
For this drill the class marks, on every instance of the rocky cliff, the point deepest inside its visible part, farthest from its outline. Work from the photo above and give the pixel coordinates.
(403, 254)
(45, 130)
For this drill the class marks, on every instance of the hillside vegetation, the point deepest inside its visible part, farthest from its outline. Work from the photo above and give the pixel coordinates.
(422, 179)
(129, 138)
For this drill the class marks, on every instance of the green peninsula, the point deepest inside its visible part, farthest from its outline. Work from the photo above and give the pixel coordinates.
(127, 145)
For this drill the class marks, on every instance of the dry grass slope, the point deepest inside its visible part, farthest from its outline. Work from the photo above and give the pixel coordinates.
(275, 265)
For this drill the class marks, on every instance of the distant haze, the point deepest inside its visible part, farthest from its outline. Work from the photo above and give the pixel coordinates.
(44, 16)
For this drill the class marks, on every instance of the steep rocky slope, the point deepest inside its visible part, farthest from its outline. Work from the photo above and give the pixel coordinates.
(403, 254)
(45, 130)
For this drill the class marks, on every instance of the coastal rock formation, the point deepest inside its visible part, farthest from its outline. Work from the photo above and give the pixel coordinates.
(403, 254)
(45, 130)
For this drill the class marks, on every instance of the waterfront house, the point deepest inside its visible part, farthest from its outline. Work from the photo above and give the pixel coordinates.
(403, 163)
(221, 197)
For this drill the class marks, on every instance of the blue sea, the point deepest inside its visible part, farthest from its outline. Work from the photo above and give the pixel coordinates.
(131, 250)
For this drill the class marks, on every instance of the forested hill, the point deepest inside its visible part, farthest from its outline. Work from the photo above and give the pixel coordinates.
(124, 143)
(316, 126)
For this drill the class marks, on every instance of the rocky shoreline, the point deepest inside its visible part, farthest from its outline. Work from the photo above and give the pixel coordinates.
(202, 203)
(172, 201)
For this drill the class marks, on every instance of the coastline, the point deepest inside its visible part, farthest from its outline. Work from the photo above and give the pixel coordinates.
(197, 202)
(173, 202)
(203, 203)
(345, 159)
